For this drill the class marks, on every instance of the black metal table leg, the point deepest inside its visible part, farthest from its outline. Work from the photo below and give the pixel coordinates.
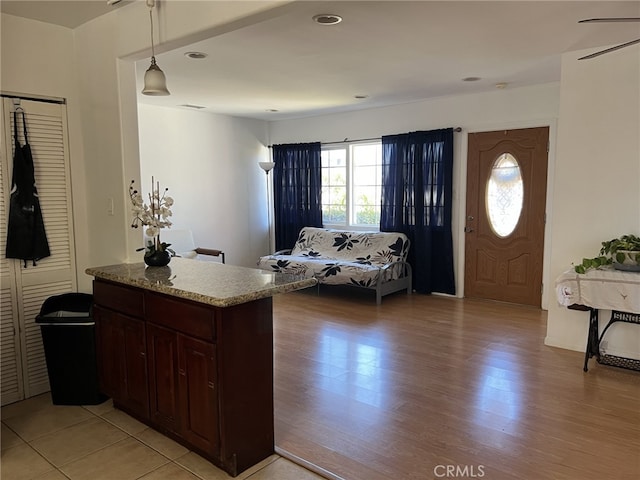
(592, 338)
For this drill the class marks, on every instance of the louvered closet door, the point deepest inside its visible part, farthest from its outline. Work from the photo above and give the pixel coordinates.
(47, 130)
(11, 366)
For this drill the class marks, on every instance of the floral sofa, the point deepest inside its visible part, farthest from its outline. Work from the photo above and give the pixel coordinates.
(375, 260)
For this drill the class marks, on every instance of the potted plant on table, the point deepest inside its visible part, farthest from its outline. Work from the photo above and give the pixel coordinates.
(154, 216)
(622, 252)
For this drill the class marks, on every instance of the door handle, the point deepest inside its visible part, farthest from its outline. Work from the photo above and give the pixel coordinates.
(468, 229)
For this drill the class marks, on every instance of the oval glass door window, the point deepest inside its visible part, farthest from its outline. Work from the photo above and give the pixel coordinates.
(504, 195)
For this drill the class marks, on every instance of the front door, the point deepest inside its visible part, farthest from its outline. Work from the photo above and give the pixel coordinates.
(506, 192)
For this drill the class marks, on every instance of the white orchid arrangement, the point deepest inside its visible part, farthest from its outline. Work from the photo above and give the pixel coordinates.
(154, 215)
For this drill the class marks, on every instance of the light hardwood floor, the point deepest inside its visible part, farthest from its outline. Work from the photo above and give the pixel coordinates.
(425, 387)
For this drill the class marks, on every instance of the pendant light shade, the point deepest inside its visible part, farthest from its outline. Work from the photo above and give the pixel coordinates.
(155, 83)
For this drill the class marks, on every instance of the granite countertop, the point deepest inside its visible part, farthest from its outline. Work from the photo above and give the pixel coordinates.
(212, 283)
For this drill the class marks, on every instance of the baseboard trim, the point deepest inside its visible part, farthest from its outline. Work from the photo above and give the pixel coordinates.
(550, 342)
(577, 347)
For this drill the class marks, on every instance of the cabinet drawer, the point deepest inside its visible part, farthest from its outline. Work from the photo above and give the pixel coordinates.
(180, 315)
(123, 299)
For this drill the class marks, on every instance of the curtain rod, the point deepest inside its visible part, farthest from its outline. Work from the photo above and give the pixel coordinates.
(456, 129)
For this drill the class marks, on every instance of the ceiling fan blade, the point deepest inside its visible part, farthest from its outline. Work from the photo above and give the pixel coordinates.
(613, 19)
(612, 49)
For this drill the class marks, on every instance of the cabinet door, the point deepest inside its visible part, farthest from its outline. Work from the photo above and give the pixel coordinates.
(122, 361)
(163, 377)
(198, 393)
(110, 362)
(136, 393)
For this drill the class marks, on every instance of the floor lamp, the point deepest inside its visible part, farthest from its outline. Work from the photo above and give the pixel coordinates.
(267, 167)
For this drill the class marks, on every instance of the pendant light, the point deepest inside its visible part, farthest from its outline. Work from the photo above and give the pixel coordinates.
(155, 83)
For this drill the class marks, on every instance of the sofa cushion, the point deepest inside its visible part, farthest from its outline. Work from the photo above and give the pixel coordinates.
(332, 272)
(366, 248)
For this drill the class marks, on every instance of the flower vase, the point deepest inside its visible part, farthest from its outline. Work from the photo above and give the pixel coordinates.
(159, 258)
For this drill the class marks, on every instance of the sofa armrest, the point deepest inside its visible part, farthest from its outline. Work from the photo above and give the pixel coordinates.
(208, 251)
(403, 268)
(211, 252)
(286, 251)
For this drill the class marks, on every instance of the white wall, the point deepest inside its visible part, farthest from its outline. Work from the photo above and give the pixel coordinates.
(105, 49)
(37, 59)
(92, 67)
(210, 165)
(597, 102)
(501, 109)
(597, 179)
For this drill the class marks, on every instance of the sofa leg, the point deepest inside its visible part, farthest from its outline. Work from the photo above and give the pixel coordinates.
(378, 297)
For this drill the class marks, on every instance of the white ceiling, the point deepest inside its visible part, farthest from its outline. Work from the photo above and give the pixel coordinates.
(70, 13)
(392, 51)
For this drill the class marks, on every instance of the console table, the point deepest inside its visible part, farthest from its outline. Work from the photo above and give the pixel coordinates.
(602, 289)
(188, 350)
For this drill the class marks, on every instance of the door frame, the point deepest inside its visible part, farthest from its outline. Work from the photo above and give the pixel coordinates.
(460, 183)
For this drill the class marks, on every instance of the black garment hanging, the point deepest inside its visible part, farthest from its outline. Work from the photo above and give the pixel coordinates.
(26, 236)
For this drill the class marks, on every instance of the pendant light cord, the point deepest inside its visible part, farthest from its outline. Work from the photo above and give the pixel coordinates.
(155, 82)
(153, 53)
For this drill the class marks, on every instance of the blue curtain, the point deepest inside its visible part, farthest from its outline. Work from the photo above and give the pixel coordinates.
(417, 171)
(297, 178)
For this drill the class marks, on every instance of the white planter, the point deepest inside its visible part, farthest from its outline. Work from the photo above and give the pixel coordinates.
(627, 260)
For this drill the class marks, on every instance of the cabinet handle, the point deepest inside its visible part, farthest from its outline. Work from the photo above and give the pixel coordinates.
(212, 385)
(181, 372)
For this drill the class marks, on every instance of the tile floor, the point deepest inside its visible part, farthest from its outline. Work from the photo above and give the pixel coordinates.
(42, 441)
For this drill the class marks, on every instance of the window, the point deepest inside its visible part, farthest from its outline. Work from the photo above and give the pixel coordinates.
(504, 195)
(352, 185)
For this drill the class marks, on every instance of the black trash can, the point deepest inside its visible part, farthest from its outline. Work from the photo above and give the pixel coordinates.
(68, 335)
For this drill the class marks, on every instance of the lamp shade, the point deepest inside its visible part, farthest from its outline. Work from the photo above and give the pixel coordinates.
(155, 83)
(267, 166)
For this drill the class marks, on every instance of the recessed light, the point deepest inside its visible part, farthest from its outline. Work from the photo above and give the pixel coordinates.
(196, 55)
(360, 97)
(271, 110)
(471, 79)
(327, 19)
(501, 85)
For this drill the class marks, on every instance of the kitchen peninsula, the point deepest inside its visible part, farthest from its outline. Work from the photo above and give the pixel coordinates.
(188, 350)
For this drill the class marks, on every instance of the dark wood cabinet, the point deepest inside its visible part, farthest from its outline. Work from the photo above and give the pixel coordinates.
(121, 348)
(202, 375)
(182, 386)
(164, 404)
(198, 395)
